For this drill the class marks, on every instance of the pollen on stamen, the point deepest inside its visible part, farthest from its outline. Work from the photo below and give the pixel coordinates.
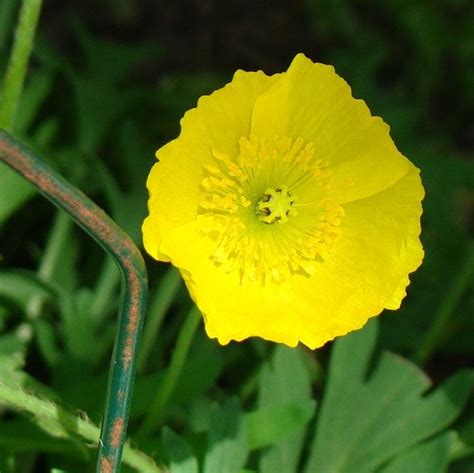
(276, 205)
(268, 209)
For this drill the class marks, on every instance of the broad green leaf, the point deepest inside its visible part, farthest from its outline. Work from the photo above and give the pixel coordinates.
(9, 373)
(13, 346)
(82, 394)
(284, 380)
(181, 457)
(226, 442)
(367, 418)
(429, 457)
(79, 328)
(48, 344)
(84, 341)
(200, 370)
(198, 413)
(12, 359)
(20, 287)
(101, 97)
(274, 423)
(20, 435)
(7, 461)
(199, 373)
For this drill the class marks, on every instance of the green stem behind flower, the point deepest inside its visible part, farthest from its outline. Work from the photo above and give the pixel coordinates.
(65, 423)
(51, 258)
(170, 380)
(105, 289)
(159, 305)
(446, 309)
(7, 15)
(18, 62)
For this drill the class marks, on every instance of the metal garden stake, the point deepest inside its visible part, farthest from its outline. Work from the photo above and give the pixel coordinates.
(134, 289)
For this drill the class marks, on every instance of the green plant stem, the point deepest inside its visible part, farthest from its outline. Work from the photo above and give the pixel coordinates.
(7, 14)
(172, 374)
(448, 305)
(51, 258)
(250, 385)
(18, 62)
(105, 288)
(159, 305)
(47, 411)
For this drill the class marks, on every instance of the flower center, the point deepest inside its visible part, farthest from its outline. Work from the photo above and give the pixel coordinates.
(275, 205)
(244, 196)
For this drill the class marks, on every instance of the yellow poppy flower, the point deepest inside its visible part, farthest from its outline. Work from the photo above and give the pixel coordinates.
(287, 208)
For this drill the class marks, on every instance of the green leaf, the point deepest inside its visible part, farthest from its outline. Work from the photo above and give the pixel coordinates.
(182, 459)
(100, 95)
(7, 461)
(14, 192)
(47, 342)
(21, 436)
(466, 426)
(429, 457)
(60, 422)
(80, 327)
(20, 287)
(284, 380)
(37, 88)
(274, 423)
(83, 343)
(11, 359)
(226, 443)
(366, 420)
(200, 371)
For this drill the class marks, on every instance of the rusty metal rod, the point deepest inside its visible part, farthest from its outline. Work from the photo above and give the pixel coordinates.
(134, 288)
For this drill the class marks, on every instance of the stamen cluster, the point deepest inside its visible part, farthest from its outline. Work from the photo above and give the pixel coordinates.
(269, 209)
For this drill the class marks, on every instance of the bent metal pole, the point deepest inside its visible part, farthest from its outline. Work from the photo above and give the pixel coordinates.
(134, 288)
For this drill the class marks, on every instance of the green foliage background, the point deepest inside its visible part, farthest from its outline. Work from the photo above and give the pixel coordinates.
(107, 84)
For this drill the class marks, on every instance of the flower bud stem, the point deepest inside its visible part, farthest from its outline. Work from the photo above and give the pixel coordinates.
(18, 62)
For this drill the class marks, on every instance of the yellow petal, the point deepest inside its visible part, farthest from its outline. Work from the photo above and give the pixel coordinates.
(370, 263)
(232, 309)
(217, 123)
(152, 233)
(366, 272)
(323, 290)
(311, 101)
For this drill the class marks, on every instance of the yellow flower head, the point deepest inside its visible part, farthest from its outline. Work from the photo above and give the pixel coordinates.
(287, 208)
